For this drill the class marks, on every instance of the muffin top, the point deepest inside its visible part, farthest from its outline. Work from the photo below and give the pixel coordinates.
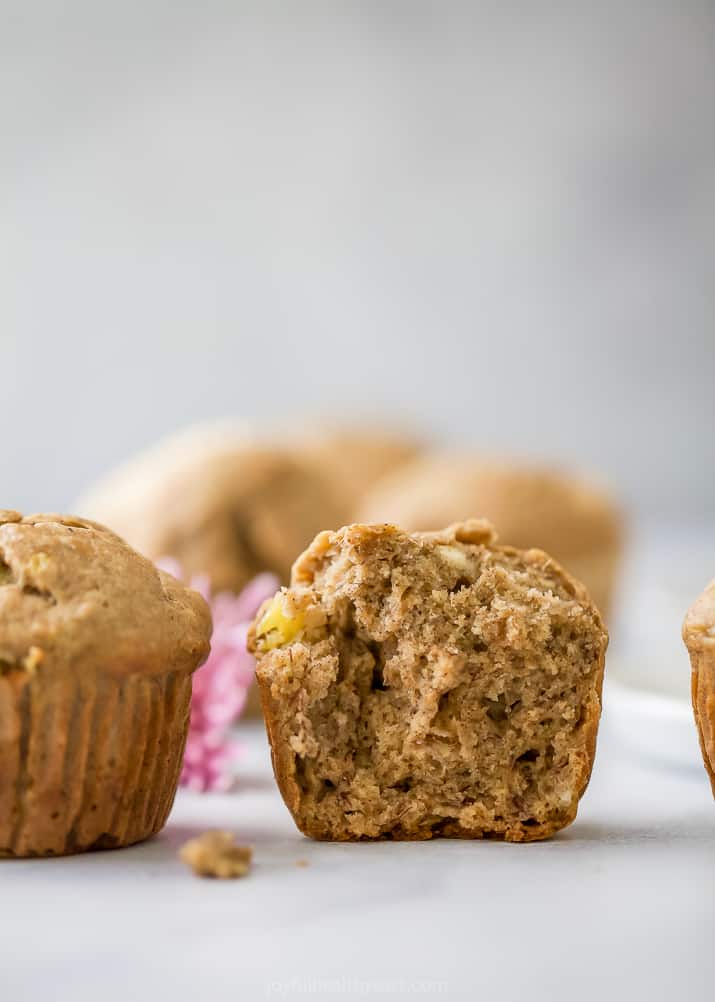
(699, 625)
(529, 506)
(219, 499)
(75, 597)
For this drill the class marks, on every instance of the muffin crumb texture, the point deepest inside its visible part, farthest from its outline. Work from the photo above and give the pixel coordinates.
(430, 684)
(216, 854)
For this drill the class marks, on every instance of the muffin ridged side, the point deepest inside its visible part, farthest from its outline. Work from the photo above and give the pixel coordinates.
(97, 649)
(91, 763)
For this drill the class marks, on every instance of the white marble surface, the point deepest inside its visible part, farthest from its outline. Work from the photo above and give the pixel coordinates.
(621, 904)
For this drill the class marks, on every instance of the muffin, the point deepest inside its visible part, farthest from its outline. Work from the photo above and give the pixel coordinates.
(430, 684)
(356, 458)
(221, 502)
(97, 648)
(570, 519)
(699, 637)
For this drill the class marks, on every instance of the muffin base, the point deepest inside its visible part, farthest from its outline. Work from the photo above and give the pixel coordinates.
(703, 694)
(88, 763)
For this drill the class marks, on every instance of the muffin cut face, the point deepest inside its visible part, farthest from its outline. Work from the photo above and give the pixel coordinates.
(430, 684)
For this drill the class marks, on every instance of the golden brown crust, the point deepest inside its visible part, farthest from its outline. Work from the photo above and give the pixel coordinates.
(81, 599)
(567, 517)
(296, 678)
(699, 637)
(220, 501)
(97, 648)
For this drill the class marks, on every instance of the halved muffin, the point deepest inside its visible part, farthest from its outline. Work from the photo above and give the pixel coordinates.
(430, 684)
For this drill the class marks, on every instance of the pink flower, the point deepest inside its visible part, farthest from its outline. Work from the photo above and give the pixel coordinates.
(221, 685)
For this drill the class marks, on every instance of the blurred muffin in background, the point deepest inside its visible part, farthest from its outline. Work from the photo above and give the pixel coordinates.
(220, 501)
(354, 458)
(571, 519)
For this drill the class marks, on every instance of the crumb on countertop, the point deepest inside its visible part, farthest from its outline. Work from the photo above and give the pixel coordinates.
(216, 854)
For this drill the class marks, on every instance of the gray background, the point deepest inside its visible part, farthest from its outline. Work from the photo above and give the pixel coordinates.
(495, 220)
